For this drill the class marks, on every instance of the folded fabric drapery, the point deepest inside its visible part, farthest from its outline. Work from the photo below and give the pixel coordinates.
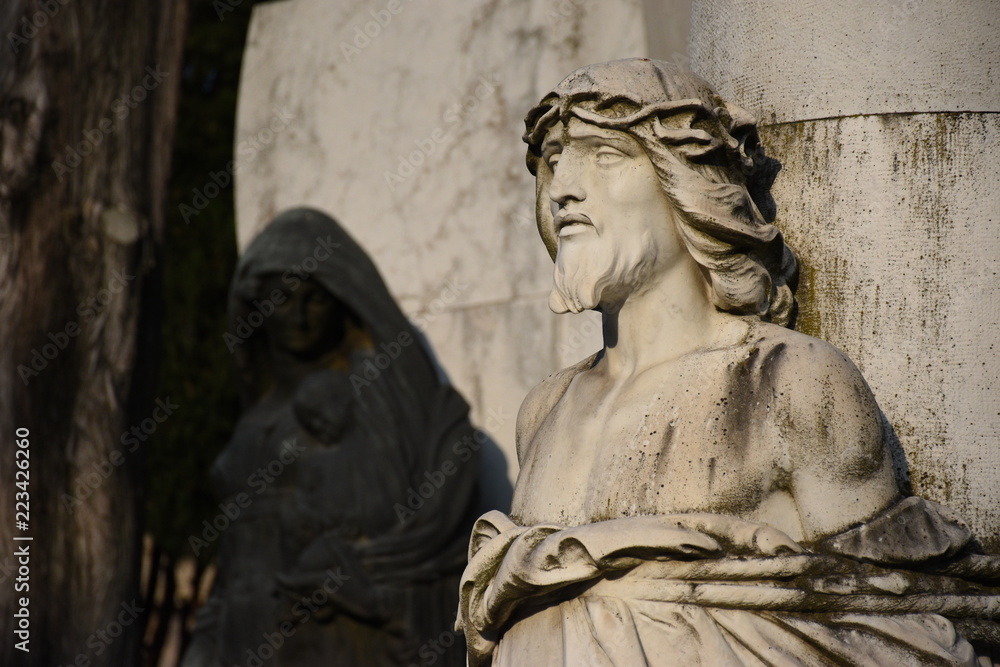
(710, 589)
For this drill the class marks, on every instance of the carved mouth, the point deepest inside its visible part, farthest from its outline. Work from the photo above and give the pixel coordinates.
(572, 223)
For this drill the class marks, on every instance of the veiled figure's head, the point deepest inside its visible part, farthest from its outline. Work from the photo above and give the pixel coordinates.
(304, 291)
(707, 158)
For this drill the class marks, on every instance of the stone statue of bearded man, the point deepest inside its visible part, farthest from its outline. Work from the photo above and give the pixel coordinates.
(712, 487)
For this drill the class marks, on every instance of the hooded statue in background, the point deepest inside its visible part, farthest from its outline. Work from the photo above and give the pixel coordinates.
(350, 477)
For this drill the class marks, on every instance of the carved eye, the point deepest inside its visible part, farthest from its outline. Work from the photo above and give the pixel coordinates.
(607, 156)
(552, 159)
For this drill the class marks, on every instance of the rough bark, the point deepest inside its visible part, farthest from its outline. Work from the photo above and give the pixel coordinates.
(85, 139)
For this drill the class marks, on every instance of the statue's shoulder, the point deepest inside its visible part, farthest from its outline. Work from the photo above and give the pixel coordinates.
(792, 356)
(820, 399)
(540, 401)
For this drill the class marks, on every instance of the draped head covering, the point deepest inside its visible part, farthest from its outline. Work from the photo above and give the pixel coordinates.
(304, 244)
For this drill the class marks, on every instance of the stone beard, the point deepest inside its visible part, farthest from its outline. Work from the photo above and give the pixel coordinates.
(584, 268)
(712, 488)
(613, 225)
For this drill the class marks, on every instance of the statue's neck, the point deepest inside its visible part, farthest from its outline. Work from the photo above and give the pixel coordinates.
(670, 318)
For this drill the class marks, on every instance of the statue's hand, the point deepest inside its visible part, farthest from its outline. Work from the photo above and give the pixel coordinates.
(327, 550)
(330, 576)
(772, 542)
(737, 536)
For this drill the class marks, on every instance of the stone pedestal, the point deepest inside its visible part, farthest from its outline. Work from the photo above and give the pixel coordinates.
(884, 117)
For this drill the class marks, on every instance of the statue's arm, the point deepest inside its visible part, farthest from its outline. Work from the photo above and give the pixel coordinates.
(831, 445)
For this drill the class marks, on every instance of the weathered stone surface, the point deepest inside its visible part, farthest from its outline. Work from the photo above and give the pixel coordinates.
(896, 219)
(884, 117)
(790, 61)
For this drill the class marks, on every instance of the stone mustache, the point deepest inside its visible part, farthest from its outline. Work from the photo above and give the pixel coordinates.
(320, 567)
(712, 487)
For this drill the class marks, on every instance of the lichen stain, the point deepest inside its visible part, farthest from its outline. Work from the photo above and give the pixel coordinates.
(925, 161)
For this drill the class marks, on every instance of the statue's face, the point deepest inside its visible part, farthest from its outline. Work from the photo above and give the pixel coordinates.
(614, 223)
(308, 323)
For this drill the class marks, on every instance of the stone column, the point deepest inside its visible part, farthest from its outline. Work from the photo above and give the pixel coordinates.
(884, 116)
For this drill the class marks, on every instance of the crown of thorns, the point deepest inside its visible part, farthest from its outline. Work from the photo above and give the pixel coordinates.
(693, 128)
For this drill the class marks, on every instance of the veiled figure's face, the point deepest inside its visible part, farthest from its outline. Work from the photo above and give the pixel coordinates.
(615, 225)
(308, 323)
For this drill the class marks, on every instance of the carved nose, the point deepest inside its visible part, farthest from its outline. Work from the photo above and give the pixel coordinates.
(566, 184)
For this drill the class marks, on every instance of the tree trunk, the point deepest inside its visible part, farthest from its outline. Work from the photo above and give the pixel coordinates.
(88, 97)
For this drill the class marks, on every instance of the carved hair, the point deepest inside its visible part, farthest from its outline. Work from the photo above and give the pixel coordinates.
(708, 158)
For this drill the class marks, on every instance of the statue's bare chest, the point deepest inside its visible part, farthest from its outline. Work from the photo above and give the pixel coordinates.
(669, 441)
